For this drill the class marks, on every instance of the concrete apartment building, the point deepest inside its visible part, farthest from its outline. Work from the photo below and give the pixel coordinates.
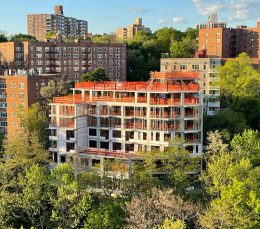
(207, 79)
(40, 24)
(17, 93)
(131, 30)
(118, 119)
(222, 42)
(70, 60)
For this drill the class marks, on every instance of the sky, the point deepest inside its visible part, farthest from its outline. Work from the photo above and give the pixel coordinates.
(104, 16)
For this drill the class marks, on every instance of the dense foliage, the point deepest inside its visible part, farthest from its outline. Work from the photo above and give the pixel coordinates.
(97, 74)
(240, 97)
(22, 37)
(145, 50)
(226, 195)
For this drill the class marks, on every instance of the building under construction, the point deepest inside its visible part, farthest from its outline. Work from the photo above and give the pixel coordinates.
(119, 119)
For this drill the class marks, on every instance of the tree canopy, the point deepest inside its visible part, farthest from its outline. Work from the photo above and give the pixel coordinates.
(3, 38)
(97, 74)
(22, 37)
(145, 49)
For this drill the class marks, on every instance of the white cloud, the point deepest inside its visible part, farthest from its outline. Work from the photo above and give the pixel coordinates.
(235, 9)
(205, 7)
(179, 20)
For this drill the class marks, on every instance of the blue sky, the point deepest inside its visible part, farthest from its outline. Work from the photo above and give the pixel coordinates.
(107, 15)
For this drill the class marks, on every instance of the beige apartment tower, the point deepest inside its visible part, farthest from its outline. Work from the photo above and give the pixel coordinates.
(40, 24)
(131, 30)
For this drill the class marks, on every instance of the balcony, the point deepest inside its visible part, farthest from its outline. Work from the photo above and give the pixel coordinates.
(164, 101)
(191, 114)
(191, 101)
(67, 123)
(140, 114)
(141, 99)
(67, 111)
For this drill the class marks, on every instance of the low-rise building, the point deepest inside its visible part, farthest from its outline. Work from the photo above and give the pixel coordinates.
(208, 79)
(118, 119)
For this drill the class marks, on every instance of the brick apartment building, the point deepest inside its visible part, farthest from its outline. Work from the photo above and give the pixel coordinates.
(17, 93)
(40, 24)
(11, 55)
(70, 60)
(222, 42)
(118, 119)
(131, 30)
(207, 77)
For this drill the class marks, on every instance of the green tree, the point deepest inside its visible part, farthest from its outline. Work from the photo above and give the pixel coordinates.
(235, 197)
(191, 33)
(53, 89)
(20, 153)
(108, 215)
(70, 203)
(232, 183)
(50, 35)
(227, 119)
(98, 74)
(3, 37)
(36, 122)
(36, 196)
(22, 37)
(166, 36)
(172, 224)
(181, 50)
(238, 78)
(12, 214)
(249, 144)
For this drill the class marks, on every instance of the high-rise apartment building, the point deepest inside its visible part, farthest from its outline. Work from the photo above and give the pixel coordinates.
(40, 24)
(17, 93)
(118, 119)
(222, 42)
(131, 30)
(70, 60)
(208, 80)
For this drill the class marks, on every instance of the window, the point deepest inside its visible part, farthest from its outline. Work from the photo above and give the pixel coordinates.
(195, 67)
(3, 105)
(21, 85)
(183, 66)
(3, 114)
(21, 95)
(116, 134)
(2, 85)
(3, 123)
(2, 95)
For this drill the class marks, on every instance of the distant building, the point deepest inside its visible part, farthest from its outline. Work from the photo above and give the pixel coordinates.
(117, 120)
(221, 42)
(17, 93)
(207, 78)
(131, 30)
(11, 55)
(40, 24)
(70, 59)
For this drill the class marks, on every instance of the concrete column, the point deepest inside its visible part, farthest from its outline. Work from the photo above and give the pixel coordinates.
(130, 168)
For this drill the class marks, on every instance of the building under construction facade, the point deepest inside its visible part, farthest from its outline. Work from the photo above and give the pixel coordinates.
(119, 119)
